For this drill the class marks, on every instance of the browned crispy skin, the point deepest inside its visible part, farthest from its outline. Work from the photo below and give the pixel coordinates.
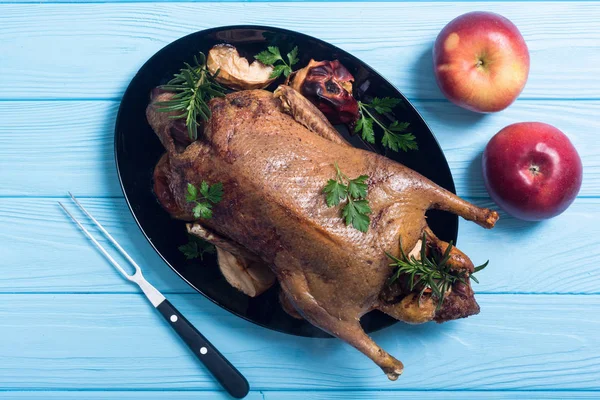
(273, 171)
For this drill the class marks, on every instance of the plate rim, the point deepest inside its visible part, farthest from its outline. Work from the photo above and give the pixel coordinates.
(407, 102)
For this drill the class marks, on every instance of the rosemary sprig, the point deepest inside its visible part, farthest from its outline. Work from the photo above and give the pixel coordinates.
(429, 272)
(194, 86)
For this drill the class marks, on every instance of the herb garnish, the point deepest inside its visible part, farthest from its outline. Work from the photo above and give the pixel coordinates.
(196, 248)
(354, 193)
(395, 136)
(210, 195)
(194, 87)
(272, 55)
(429, 272)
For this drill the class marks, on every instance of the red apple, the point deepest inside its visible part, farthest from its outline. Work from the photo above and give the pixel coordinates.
(532, 170)
(481, 61)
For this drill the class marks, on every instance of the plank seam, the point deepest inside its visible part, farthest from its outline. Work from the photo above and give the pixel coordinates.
(272, 1)
(263, 392)
(435, 390)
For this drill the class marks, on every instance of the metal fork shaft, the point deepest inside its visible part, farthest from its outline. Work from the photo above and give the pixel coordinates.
(150, 291)
(98, 245)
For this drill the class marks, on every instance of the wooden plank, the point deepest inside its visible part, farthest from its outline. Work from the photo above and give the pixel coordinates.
(118, 342)
(530, 257)
(93, 50)
(47, 253)
(73, 148)
(303, 395)
(125, 395)
(262, 1)
(427, 395)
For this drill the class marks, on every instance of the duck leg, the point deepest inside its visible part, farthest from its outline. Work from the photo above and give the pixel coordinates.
(296, 289)
(305, 113)
(447, 201)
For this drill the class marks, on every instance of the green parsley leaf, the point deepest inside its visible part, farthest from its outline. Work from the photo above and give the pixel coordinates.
(278, 70)
(355, 213)
(196, 248)
(361, 222)
(287, 71)
(204, 188)
(190, 250)
(358, 125)
(215, 193)
(272, 55)
(202, 210)
(292, 56)
(384, 105)
(395, 141)
(362, 206)
(269, 56)
(335, 192)
(357, 188)
(365, 127)
(398, 126)
(211, 194)
(354, 193)
(392, 138)
(192, 193)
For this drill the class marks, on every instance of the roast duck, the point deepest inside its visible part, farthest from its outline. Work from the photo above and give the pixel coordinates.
(274, 153)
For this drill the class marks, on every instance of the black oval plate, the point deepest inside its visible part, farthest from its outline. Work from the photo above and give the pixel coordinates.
(137, 151)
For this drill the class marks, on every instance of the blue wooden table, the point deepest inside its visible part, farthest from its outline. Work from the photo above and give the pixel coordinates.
(71, 327)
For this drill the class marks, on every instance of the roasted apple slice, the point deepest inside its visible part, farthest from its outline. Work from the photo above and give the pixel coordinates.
(328, 85)
(235, 71)
(240, 268)
(249, 277)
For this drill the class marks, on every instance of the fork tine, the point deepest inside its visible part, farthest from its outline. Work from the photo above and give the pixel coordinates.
(98, 245)
(105, 232)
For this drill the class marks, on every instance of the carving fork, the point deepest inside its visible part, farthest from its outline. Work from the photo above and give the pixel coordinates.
(225, 373)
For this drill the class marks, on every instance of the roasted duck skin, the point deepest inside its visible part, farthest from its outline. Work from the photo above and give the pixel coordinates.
(274, 153)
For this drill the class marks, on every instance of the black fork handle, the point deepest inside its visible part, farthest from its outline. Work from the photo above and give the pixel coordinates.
(225, 373)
